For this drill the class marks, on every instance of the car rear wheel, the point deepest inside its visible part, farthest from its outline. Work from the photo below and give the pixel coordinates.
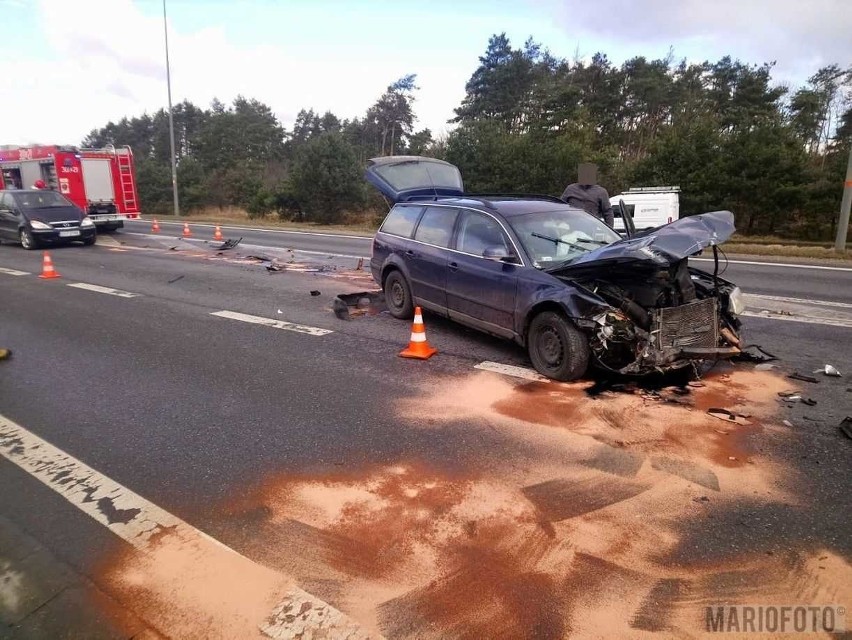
(398, 296)
(27, 240)
(556, 347)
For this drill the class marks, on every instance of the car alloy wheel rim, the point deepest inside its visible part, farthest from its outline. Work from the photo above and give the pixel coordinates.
(25, 239)
(550, 347)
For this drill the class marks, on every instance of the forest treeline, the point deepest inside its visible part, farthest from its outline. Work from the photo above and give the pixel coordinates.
(723, 131)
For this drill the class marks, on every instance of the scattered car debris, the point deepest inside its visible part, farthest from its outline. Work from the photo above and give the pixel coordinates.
(788, 423)
(829, 371)
(846, 426)
(261, 258)
(341, 309)
(727, 416)
(362, 303)
(229, 244)
(360, 264)
(315, 292)
(765, 366)
(794, 396)
(5, 354)
(744, 356)
(798, 376)
(173, 280)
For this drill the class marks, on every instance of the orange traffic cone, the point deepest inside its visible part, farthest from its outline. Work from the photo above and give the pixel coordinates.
(186, 232)
(155, 228)
(47, 270)
(217, 235)
(418, 347)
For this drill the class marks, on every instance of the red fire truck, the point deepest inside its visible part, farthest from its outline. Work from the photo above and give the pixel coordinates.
(102, 182)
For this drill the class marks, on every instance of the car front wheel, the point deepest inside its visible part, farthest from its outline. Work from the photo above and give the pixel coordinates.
(27, 240)
(398, 296)
(557, 348)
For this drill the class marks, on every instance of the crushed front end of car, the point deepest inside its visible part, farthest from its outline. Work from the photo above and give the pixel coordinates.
(659, 313)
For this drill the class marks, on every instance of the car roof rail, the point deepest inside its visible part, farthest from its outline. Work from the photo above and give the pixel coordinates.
(519, 196)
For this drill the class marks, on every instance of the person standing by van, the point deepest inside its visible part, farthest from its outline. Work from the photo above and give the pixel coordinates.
(589, 196)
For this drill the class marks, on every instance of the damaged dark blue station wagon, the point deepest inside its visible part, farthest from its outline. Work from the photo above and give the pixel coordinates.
(552, 278)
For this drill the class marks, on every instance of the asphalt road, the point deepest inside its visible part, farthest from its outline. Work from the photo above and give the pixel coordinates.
(200, 414)
(780, 277)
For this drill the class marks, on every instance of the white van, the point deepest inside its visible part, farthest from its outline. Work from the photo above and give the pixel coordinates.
(649, 206)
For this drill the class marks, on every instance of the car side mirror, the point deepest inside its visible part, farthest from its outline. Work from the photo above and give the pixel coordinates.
(496, 253)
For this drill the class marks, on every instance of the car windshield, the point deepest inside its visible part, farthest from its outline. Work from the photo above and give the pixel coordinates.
(554, 236)
(41, 200)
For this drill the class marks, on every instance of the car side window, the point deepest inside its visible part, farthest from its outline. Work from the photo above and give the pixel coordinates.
(436, 226)
(478, 231)
(401, 221)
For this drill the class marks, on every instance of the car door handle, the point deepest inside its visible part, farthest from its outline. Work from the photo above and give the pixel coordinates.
(454, 266)
(409, 252)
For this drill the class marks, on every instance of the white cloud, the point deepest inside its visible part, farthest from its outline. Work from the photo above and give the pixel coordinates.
(108, 61)
(799, 36)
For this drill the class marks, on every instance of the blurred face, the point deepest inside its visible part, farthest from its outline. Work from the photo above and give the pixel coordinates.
(587, 174)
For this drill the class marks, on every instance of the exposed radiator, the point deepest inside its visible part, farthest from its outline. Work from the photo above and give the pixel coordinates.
(690, 325)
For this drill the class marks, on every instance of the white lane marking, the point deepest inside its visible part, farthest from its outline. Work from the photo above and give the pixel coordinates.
(99, 289)
(820, 303)
(126, 514)
(271, 322)
(143, 525)
(831, 322)
(512, 370)
(303, 233)
(13, 272)
(778, 264)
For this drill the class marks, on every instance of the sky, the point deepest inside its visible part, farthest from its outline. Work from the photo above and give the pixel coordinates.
(73, 65)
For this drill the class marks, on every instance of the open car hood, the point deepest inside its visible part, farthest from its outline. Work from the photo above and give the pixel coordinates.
(402, 178)
(663, 246)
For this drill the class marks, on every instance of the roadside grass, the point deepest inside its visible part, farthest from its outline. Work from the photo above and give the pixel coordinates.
(358, 224)
(366, 223)
(783, 250)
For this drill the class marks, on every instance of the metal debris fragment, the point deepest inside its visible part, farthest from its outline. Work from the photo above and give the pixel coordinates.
(229, 244)
(829, 370)
(315, 292)
(798, 376)
(727, 416)
(173, 280)
(846, 426)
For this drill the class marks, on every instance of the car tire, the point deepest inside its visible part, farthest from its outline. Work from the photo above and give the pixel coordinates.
(398, 296)
(28, 242)
(558, 349)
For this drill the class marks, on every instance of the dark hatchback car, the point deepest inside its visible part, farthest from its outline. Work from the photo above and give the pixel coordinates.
(554, 279)
(39, 217)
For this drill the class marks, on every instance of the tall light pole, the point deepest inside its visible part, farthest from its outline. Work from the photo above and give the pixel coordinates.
(845, 205)
(171, 118)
